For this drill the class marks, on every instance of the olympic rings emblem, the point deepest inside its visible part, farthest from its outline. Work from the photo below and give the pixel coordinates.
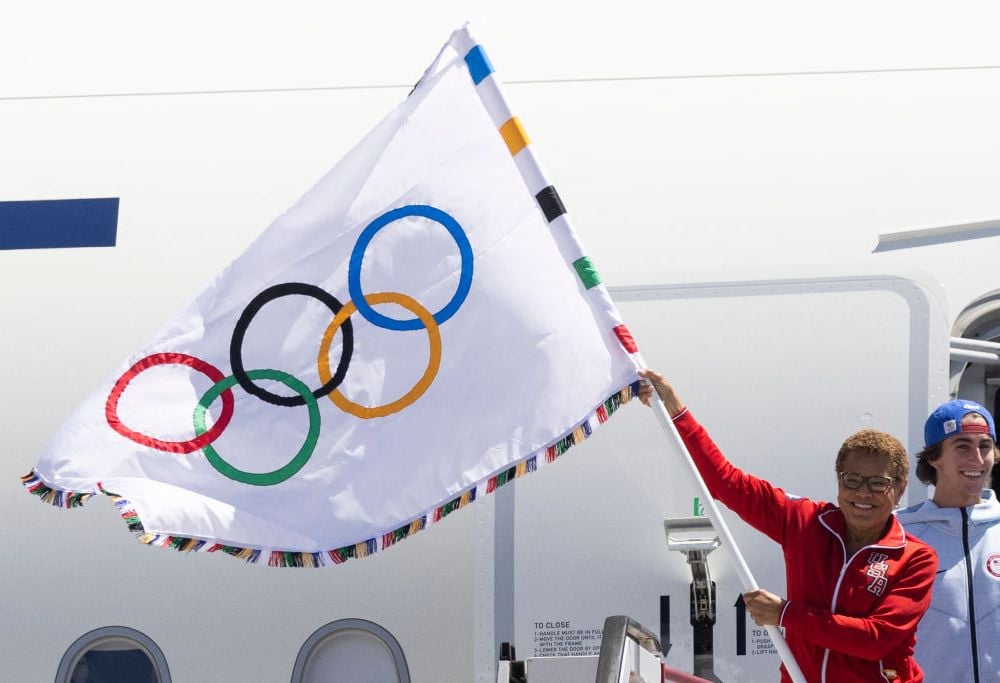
(331, 379)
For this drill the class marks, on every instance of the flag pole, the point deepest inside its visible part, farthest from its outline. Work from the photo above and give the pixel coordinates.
(531, 171)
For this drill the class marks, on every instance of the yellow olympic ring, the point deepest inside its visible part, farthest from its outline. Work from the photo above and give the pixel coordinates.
(433, 362)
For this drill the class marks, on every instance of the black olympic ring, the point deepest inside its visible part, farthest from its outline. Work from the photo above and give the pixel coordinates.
(240, 330)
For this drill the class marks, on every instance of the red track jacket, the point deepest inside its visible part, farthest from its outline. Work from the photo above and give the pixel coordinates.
(847, 618)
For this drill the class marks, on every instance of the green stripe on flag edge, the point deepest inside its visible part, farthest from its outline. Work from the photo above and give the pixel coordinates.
(587, 272)
(284, 558)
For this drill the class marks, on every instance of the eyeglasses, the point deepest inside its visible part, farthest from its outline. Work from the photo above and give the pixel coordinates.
(876, 483)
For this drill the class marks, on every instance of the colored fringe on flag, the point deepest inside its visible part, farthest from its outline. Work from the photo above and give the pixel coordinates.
(420, 328)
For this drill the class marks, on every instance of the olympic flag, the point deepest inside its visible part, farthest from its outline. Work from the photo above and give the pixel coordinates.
(421, 327)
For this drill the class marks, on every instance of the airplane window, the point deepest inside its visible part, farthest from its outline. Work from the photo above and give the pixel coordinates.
(351, 650)
(113, 654)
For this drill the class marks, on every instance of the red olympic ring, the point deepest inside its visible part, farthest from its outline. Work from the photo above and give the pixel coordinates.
(213, 373)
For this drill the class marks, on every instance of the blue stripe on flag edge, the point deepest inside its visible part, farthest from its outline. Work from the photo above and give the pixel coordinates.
(282, 558)
(58, 223)
(479, 64)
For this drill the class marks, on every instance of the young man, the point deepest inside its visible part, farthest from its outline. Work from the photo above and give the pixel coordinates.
(959, 637)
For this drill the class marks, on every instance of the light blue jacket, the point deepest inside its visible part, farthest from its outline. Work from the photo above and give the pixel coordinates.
(967, 541)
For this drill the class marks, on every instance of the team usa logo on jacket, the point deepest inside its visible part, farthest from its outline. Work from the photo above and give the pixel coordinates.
(878, 570)
(993, 564)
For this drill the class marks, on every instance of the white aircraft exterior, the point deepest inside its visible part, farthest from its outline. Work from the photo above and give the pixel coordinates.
(795, 207)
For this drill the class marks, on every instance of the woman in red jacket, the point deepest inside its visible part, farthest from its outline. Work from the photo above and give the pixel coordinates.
(857, 584)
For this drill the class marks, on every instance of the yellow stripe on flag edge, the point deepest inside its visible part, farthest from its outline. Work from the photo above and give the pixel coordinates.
(281, 558)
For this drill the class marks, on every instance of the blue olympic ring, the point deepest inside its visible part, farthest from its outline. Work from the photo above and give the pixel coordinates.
(358, 255)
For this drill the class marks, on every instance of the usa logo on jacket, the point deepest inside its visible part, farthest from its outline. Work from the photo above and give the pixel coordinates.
(877, 570)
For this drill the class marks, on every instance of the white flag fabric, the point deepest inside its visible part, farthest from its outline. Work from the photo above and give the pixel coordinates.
(419, 328)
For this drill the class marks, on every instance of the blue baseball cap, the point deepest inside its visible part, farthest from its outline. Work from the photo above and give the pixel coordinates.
(946, 420)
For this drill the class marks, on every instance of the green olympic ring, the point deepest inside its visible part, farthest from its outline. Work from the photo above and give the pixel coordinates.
(260, 478)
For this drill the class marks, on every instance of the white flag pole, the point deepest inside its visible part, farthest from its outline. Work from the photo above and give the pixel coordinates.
(490, 93)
